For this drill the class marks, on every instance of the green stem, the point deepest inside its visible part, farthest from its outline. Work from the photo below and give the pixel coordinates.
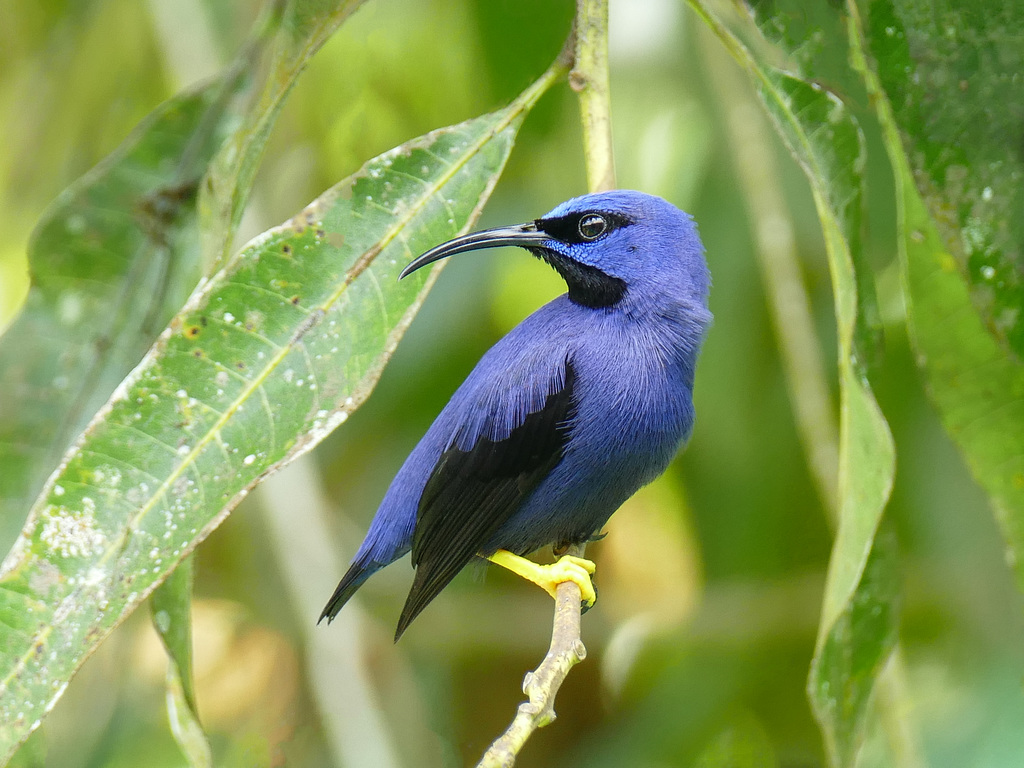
(589, 78)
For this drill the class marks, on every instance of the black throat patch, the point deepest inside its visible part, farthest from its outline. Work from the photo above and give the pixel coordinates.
(588, 286)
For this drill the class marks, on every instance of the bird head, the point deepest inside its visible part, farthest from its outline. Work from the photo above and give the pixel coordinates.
(613, 249)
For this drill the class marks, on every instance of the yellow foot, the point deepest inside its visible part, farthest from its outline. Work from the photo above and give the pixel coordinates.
(567, 568)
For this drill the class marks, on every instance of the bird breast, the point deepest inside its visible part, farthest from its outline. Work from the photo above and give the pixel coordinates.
(632, 399)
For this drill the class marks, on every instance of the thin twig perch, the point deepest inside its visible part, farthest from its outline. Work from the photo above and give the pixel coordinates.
(541, 685)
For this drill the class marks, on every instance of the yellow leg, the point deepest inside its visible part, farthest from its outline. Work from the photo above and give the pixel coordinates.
(548, 577)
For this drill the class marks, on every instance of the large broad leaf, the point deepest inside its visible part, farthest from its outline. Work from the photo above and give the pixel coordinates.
(858, 623)
(268, 356)
(974, 379)
(119, 251)
(112, 259)
(950, 72)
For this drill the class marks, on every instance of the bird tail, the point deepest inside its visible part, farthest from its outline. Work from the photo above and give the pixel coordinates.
(353, 579)
(426, 585)
(419, 596)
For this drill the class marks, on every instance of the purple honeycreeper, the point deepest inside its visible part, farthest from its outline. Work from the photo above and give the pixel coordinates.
(581, 404)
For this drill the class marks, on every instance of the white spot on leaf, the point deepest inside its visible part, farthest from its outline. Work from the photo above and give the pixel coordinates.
(72, 533)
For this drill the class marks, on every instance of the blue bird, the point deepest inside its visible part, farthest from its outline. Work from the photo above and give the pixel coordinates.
(580, 405)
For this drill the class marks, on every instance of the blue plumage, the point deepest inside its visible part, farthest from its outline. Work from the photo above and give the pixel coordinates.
(581, 404)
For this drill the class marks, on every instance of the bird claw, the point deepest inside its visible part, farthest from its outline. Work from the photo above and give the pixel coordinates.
(574, 569)
(567, 568)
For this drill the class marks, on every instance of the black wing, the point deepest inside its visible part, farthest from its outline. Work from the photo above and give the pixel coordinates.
(471, 494)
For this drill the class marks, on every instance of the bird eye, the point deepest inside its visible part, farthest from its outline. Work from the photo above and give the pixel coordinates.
(592, 226)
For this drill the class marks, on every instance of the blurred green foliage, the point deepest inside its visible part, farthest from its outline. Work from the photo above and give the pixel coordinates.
(701, 662)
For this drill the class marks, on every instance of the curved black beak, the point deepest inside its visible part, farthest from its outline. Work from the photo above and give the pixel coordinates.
(523, 235)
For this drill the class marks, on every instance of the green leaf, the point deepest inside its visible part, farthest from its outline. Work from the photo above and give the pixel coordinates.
(112, 259)
(172, 617)
(296, 30)
(858, 628)
(117, 254)
(850, 651)
(813, 37)
(855, 645)
(950, 73)
(266, 358)
(976, 382)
